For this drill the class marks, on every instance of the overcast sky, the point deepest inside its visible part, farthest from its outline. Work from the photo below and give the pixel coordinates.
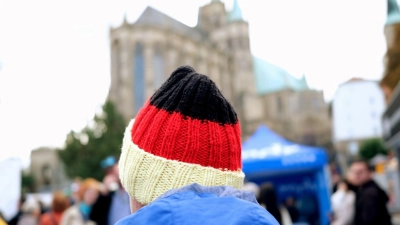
(55, 54)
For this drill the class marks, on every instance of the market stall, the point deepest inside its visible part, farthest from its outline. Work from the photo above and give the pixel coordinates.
(298, 172)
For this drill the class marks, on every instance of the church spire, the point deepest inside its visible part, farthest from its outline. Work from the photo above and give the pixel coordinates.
(393, 12)
(392, 7)
(125, 20)
(236, 13)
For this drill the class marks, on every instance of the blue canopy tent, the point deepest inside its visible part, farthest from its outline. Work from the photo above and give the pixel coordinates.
(295, 170)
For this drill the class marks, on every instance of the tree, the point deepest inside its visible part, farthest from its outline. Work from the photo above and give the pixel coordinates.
(27, 182)
(84, 151)
(371, 148)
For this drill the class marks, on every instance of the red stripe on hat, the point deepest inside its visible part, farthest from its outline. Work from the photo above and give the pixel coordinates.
(175, 137)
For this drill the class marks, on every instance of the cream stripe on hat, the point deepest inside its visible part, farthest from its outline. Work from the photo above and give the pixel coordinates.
(146, 176)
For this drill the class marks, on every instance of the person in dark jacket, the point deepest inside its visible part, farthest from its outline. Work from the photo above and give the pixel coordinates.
(269, 200)
(181, 158)
(113, 205)
(290, 204)
(15, 219)
(371, 200)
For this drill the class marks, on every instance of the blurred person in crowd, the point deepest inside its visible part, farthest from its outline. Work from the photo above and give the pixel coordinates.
(350, 180)
(43, 207)
(307, 205)
(68, 193)
(343, 204)
(59, 204)
(269, 200)
(335, 178)
(371, 200)
(111, 179)
(181, 158)
(78, 214)
(75, 186)
(30, 213)
(290, 204)
(15, 219)
(114, 204)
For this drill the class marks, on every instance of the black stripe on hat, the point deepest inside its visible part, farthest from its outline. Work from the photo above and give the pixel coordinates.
(194, 95)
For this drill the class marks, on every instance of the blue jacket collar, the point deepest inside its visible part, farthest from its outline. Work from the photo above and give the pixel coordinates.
(219, 191)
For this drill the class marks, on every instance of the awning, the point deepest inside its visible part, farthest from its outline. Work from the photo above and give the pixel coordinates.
(267, 153)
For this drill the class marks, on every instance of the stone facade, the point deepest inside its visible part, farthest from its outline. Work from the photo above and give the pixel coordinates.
(299, 116)
(391, 75)
(144, 54)
(47, 170)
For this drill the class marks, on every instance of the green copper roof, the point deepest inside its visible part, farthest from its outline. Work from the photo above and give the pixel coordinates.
(236, 13)
(393, 13)
(271, 78)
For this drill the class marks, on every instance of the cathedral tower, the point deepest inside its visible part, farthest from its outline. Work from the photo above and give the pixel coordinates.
(392, 34)
(233, 38)
(211, 16)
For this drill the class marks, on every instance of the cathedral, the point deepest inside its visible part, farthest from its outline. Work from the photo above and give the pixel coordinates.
(391, 75)
(144, 54)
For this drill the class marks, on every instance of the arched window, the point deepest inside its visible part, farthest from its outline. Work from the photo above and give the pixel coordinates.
(158, 68)
(46, 174)
(138, 81)
(279, 105)
(116, 54)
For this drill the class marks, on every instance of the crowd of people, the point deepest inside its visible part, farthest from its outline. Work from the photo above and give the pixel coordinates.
(358, 200)
(181, 163)
(92, 202)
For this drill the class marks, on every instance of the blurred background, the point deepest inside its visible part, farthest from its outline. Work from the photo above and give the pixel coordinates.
(322, 75)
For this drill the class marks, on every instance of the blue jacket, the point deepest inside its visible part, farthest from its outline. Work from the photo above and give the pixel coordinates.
(199, 205)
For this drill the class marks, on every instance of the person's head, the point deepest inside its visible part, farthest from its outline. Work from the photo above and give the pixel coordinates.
(89, 191)
(32, 207)
(360, 172)
(268, 194)
(343, 185)
(114, 170)
(290, 202)
(60, 202)
(269, 198)
(110, 166)
(187, 132)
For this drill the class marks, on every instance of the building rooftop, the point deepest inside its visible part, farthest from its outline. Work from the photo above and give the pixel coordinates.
(393, 12)
(271, 78)
(236, 13)
(153, 17)
(354, 79)
(357, 79)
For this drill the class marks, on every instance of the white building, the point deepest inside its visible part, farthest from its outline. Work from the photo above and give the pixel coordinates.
(358, 106)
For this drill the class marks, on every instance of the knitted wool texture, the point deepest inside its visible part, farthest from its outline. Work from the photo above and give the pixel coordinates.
(186, 133)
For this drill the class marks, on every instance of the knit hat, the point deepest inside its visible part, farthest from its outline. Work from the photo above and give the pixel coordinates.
(186, 133)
